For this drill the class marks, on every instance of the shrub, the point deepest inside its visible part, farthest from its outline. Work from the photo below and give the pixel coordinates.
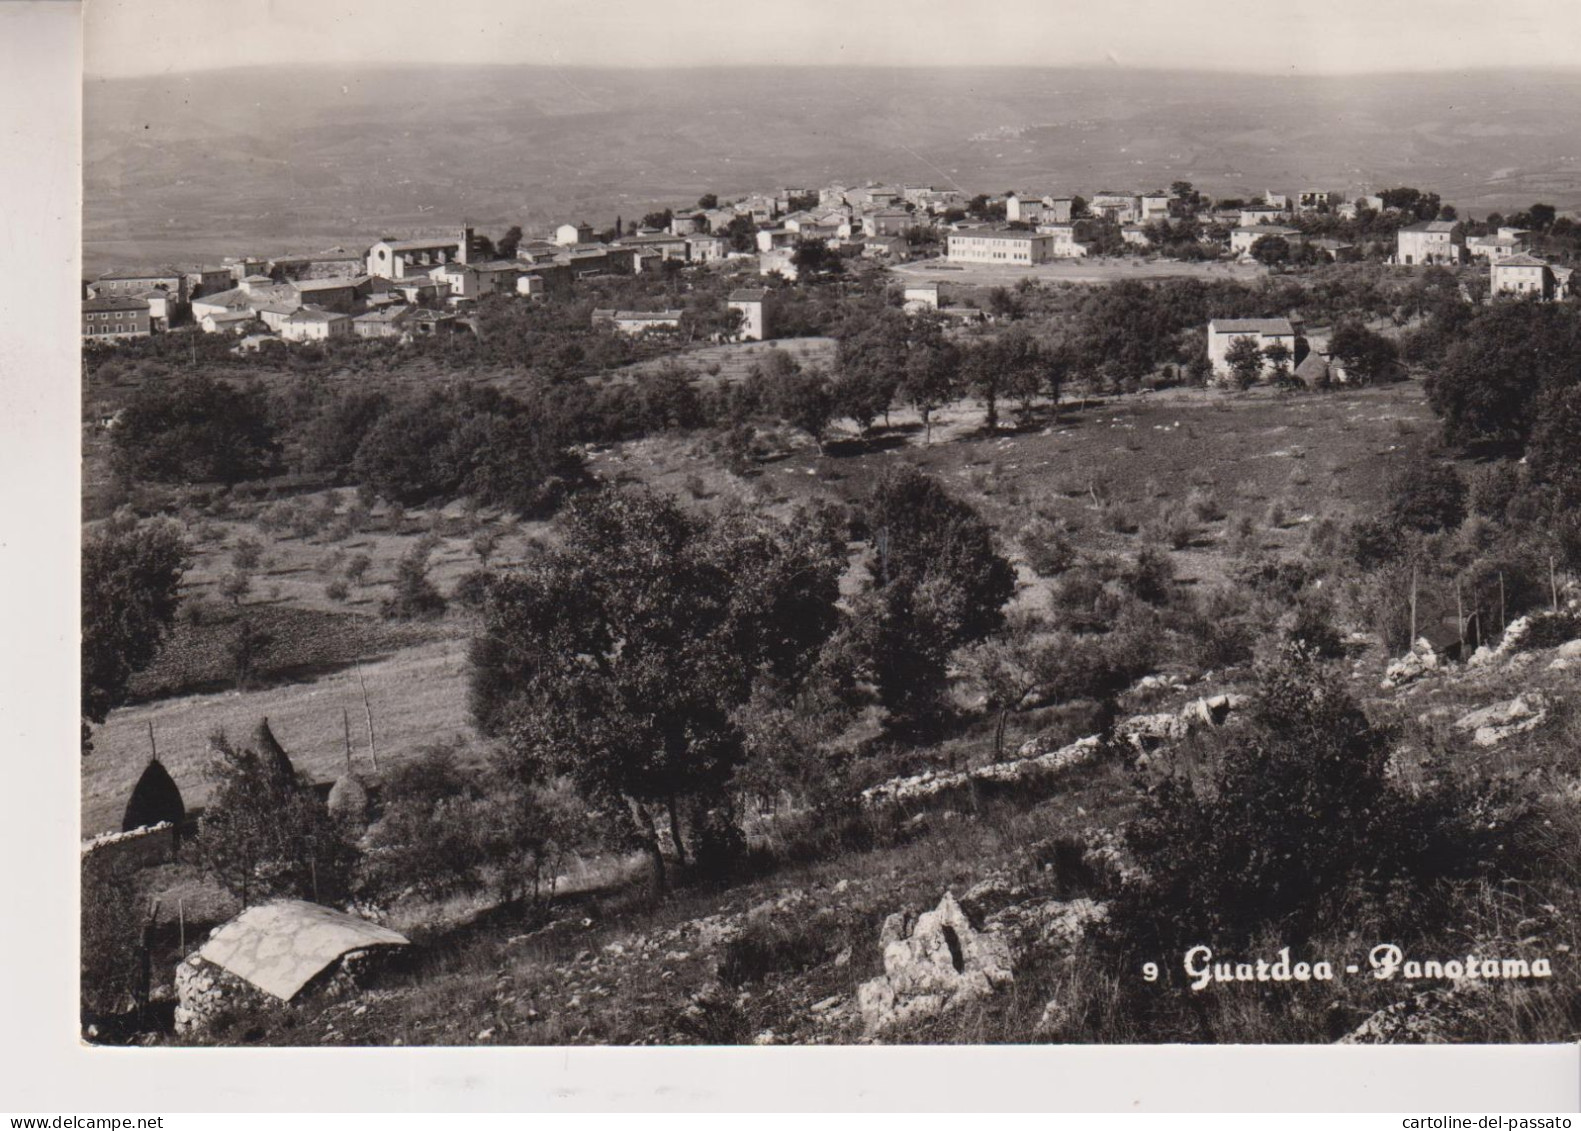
(1549, 630)
(415, 595)
(265, 833)
(111, 934)
(1204, 503)
(357, 569)
(1174, 527)
(1428, 496)
(247, 553)
(1047, 550)
(337, 590)
(770, 946)
(1151, 577)
(1296, 829)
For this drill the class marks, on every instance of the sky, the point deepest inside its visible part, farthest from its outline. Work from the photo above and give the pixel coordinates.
(147, 37)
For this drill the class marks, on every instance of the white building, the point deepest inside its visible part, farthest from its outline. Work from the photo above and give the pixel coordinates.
(568, 235)
(1243, 239)
(398, 259)
(921, 296)
(1064, 245)
(752, 303)
(1526, 276)
(1432, 241)
(310, 324)
(1264, 331)
(999, 246)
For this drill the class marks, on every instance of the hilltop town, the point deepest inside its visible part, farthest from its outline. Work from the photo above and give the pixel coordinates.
(425, 285)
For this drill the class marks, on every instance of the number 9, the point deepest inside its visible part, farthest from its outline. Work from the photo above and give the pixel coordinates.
(1150, 971)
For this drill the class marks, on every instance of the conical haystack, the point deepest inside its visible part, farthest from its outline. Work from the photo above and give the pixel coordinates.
(348, 800)
(268, 748)
(154, 799)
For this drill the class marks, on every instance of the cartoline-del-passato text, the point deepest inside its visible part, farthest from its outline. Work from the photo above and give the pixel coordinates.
(1385, 961)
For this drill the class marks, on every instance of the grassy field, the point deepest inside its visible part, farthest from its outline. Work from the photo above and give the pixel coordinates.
(418, 696)
(1073, 271)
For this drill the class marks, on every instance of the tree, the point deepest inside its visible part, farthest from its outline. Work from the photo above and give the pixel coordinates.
(191, 428)
(1278, 356)
(1271, 250)
(619, 657)
(708, 201)
(1427, 496)
(814, 260)
(938, 584)
(932, 366)
(131, 580)
(804, 399)
(1013, 364)
(266, 834)
(1365, 356)
(447, 828)
(872, 365)
(1245, 359)
(415, 595)
(1490, 383)
(509, 242)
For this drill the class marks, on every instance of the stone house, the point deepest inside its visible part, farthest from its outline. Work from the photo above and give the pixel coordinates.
(115, 318)
(752, 302)
(1431, 241)
(1264, 331)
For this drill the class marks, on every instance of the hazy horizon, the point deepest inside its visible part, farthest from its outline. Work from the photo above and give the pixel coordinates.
(1343, 37)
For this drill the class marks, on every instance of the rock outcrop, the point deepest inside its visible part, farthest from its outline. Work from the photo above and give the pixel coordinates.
(1418, 662)
(932, 965)
(1438, 1016)
(1492, 725)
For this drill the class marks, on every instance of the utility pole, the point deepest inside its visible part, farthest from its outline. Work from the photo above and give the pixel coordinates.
(373, 749)
(1413, 607)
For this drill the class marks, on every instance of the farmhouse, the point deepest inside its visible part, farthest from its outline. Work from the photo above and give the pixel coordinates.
(1316, 200)
(1432, 241)
(114, 319)
(567, 235)
(1135, 235)
(752, 302)
(1506, 243)
(999, 246)
(1264, 331)
(401, 259)
(1527, 276)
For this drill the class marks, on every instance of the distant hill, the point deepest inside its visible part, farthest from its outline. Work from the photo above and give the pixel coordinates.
(188, 167)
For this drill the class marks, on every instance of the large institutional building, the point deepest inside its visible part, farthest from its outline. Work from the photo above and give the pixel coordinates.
(999, 245)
